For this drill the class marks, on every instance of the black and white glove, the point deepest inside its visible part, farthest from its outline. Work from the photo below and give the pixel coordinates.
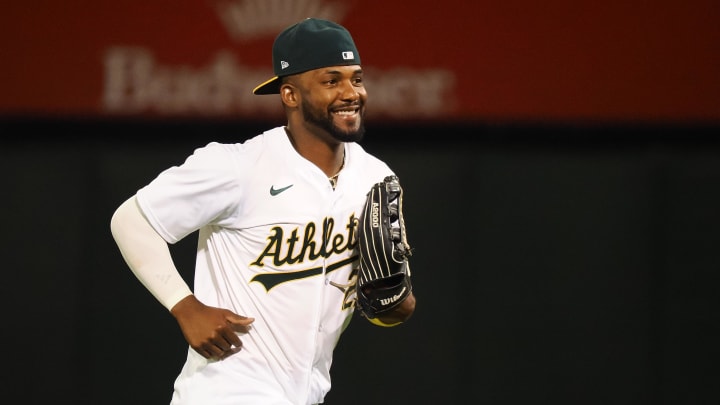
(384, 272)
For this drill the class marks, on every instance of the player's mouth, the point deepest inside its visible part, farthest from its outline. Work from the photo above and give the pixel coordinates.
(346, 113)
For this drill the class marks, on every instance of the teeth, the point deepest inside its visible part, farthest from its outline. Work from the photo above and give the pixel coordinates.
(345, 112)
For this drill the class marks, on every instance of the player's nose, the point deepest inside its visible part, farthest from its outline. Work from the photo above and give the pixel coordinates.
(349, 91)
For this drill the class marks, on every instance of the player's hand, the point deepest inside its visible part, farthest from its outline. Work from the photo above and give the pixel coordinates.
(212, 332)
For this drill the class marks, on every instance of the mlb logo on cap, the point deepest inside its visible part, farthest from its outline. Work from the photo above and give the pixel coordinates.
(348, 55)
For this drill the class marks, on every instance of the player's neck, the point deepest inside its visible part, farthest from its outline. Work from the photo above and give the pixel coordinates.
(329, 157)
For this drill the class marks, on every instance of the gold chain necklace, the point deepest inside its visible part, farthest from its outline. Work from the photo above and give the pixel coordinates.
(334, 179)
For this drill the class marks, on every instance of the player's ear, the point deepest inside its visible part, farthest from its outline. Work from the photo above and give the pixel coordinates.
(288, 94)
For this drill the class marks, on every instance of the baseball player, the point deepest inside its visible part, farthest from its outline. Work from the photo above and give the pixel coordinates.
(276, 215)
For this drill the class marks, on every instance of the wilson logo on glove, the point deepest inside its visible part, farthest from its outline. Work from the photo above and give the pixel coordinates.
(388, 301)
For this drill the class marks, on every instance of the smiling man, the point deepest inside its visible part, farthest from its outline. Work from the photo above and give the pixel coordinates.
(277, 220)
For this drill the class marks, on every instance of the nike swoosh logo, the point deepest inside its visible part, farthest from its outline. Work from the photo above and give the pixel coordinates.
(275, 191)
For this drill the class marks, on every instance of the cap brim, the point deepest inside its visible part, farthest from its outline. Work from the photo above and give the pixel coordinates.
(270, 86)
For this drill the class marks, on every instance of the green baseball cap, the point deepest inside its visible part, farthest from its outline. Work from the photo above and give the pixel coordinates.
(310, 44)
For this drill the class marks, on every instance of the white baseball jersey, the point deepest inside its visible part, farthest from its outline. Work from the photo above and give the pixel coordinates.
(276, 243)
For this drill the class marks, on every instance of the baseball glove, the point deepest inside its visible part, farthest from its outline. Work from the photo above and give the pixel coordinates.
(384, 273)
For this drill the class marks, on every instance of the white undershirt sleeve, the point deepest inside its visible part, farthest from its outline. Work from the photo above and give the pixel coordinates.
(147, 254)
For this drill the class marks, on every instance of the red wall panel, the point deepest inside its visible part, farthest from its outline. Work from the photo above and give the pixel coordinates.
(426, 60)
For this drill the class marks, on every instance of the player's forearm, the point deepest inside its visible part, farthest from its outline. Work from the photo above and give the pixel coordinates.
(147, 254)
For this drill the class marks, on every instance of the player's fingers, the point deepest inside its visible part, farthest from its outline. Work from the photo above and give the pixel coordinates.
(210, 350)
(231, 338)
(229, 353)
(216, 342)
(239, 323)
(224, 345)
(203, 352)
